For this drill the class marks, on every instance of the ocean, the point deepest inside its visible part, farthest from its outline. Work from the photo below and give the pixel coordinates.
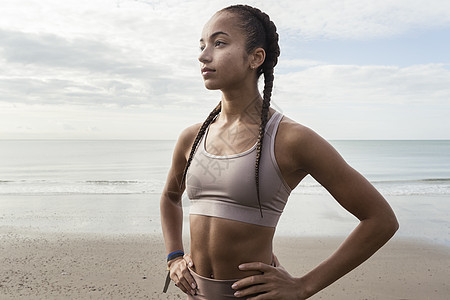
(114, 186)
(140, 167)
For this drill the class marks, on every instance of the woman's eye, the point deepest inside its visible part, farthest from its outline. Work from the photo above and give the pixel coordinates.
(216, 44)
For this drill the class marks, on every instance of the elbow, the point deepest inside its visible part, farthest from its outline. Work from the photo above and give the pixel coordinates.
(383, 225)
(395, 225)
(390, 225)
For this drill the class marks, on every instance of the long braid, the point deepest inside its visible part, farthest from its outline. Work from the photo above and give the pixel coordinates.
(268, 84)
(200, 134)
(261, 32)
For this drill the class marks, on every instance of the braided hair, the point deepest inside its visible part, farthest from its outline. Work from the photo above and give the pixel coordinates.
(261, 32)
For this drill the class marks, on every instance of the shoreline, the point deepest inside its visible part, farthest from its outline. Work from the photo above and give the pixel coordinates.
(420, 216)
(47, 265)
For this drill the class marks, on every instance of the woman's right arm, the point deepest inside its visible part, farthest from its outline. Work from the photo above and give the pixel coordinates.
(172, 210)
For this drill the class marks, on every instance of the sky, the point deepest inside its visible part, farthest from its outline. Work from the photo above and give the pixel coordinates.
(128, 69)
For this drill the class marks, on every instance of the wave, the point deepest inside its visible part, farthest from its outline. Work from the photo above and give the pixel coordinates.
(428, 180)
(392, 181)
(440, 186)
(100, 182)
(436, 180)
(426, 186)
(80, 187)
(112, 182)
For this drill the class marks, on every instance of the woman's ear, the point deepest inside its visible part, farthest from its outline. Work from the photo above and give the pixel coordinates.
(257, 58)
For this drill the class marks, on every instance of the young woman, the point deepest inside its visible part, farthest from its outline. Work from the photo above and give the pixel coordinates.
(239, 168)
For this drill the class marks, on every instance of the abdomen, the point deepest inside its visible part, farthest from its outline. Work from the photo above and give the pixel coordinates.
(219, 246)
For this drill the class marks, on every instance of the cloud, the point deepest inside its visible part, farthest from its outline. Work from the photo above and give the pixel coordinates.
(325, 84)
(46, 68)
(50, 50)
(111, 65)
(330, 19)
(97, 53)
(356, 19)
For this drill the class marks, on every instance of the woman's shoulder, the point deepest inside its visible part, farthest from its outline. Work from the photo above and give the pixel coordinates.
(301, 141)
(184, 144)
(292, 132)
(190, 132)
(187, 136)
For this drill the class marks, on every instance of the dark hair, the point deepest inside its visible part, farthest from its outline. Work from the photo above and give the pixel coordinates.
(260, 32)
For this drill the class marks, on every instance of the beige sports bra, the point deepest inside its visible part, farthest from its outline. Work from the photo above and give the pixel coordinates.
(224, 186)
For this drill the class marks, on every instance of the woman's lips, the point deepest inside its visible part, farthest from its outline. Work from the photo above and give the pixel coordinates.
(207, 71)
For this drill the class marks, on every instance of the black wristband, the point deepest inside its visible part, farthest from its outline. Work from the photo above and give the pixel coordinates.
(174, 255)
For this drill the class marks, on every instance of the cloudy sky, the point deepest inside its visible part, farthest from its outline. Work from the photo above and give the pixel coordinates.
(128, 69)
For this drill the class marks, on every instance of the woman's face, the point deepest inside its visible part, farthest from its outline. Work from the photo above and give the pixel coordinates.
(225, 63)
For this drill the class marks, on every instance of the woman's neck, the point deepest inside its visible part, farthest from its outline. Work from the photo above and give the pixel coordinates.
(240, 106)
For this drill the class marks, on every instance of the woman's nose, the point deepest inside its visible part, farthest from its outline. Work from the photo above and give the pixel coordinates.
(204, 56)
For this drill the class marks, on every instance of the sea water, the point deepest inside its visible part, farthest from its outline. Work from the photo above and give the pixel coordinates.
(136, 167)
(83, 167)
(114, 186)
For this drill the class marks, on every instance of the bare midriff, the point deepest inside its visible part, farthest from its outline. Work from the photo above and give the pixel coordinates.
(219, 246)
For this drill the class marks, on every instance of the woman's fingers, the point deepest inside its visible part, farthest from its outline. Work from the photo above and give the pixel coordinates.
(252, 280)
(190, 282)
(184, 284)
(275, 261)
(180, 283)
(183, 279)
(188, 260)
(253, 290)
(248, 285)
(255, 266)
(272, 283)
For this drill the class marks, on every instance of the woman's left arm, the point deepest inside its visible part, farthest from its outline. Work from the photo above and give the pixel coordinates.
(313, 155)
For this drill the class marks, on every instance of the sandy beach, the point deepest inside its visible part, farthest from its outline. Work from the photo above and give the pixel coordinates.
(111, 247)
(38, 265)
